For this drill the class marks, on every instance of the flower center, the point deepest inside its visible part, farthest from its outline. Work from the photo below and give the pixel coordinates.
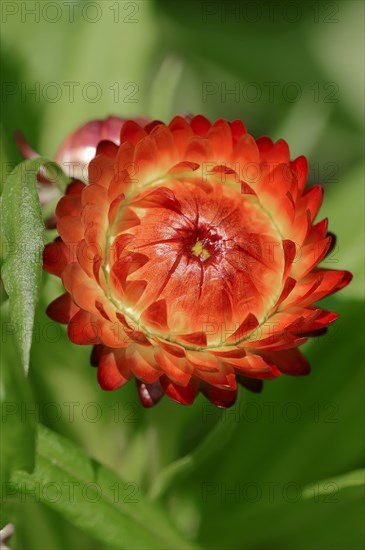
(210, 253)
(204, 243)
(199, 251)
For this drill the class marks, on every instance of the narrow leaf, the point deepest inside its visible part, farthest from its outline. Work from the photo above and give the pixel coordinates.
(23, 231)
(17, 408)
(356, 478)
(94, 499)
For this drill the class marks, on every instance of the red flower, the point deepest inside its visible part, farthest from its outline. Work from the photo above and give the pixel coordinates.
(79, 147)
(190, 260)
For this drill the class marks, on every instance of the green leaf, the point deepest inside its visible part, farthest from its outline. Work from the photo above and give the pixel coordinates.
(216, 439)
(17, 409)
(55, 174)
(23, 231)
(356, 478)
(94, 499)
(31, 518)
(333, 512)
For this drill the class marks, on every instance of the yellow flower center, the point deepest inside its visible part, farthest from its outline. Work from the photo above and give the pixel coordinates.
(198, 250)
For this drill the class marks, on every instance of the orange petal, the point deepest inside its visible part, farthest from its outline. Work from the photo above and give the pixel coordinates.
(132, 132)
(142, 364)
(155, 316)
(70, 229)
(221, 398)
(178, 370)
(82, 329)
(182, 394)
(101, 171)
(289, 362)
(69, 205)
(55, 258)
(62, 309)
(113, 371)
(200, 125)
(300, 167)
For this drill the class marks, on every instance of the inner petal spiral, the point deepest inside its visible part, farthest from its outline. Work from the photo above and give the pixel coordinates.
(206, 254)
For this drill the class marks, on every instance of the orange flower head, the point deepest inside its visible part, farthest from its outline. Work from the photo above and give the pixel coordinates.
(190, 260)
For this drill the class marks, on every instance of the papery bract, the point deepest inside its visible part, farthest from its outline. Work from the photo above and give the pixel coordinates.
(190, 260)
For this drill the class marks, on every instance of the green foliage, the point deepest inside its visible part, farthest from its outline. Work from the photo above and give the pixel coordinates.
(18, 428)
(216, 439)
(23, 229)
(121, 516)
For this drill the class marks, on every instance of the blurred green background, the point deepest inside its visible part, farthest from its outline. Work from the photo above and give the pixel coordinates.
(292, 70)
